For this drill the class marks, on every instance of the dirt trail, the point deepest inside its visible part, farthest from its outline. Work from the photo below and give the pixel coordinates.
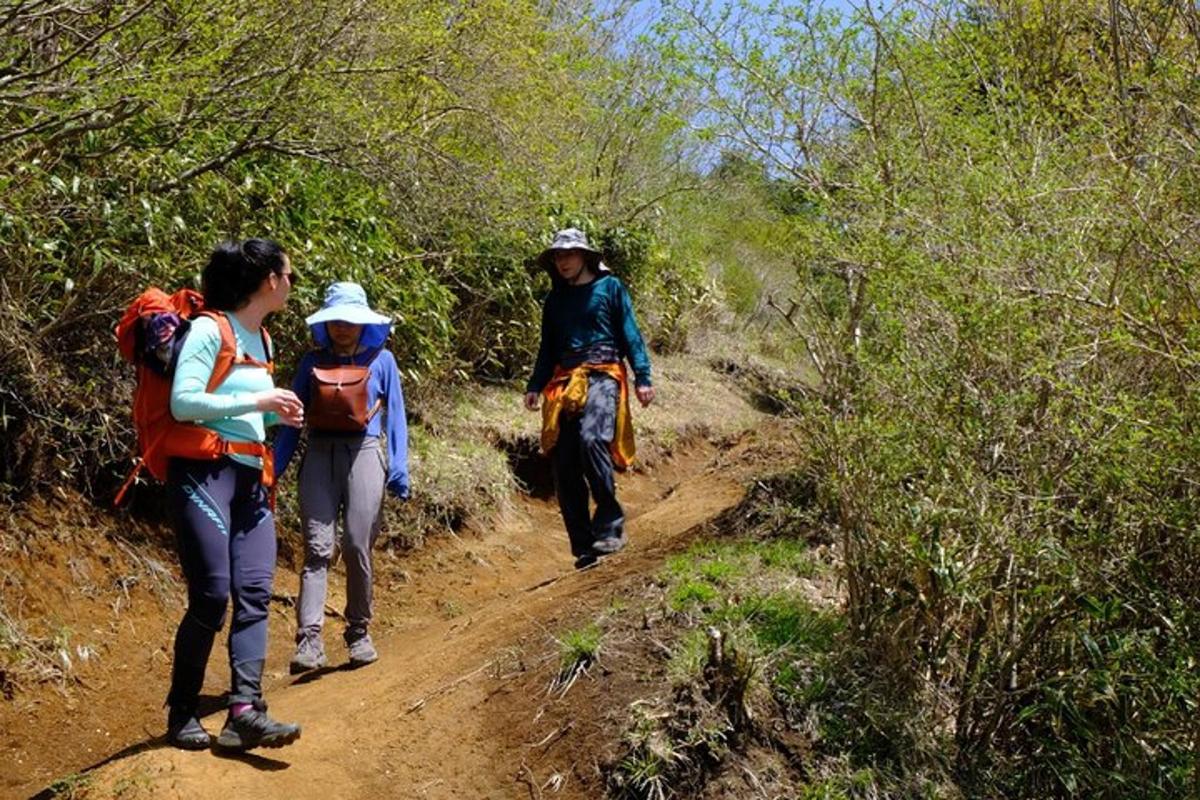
(436, 716)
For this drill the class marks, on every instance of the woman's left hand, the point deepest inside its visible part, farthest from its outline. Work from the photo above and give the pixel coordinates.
(645, 395)
(292, 416)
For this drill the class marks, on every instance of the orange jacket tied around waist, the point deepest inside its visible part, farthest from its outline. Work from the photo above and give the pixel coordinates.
(567, 392)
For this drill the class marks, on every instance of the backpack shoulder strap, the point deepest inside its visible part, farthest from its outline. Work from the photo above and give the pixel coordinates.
(227, 355)
(268, 348)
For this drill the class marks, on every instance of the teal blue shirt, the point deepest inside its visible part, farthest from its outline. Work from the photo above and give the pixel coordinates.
(230, 410)
(579, 318)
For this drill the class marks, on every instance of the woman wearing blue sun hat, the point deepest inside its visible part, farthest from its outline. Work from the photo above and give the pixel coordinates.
(354, 407)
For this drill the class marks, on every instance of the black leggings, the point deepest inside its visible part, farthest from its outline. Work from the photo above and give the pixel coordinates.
(226, 536)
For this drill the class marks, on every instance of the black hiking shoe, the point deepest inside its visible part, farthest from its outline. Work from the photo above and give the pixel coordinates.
(185, 731)
(586, 560)
(253, 728)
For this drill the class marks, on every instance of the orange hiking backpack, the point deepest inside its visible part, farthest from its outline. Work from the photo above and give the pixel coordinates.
(149, 336)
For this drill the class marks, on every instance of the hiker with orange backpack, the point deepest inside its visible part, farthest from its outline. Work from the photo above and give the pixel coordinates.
(580, 382)
(350, 386)
(215, 356)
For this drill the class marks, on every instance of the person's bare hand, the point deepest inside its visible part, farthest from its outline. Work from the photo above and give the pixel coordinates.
(532, 400)
(294, 419)
(645, 395)
(284, 404)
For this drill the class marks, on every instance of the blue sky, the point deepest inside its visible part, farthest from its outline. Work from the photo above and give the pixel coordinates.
(776, 128)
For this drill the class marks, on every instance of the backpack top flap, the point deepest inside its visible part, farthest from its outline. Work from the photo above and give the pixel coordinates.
(339, 398)
(186, 303)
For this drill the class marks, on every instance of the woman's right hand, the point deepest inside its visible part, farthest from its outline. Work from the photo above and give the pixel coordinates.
(283, 403)
(531, 400)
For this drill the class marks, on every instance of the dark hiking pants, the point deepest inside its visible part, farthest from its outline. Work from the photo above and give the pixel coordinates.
(225, 532)
(581, 461)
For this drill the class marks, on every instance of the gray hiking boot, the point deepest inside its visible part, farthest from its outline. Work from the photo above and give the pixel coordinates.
(362, 650)
(310, 655)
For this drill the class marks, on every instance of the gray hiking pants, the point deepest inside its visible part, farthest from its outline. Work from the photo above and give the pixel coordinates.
(342, 478)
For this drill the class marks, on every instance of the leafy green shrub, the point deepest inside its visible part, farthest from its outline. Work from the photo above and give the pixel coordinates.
(417, 178)
(997, 290)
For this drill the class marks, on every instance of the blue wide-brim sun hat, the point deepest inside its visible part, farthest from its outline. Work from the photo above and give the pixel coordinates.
(346, 301)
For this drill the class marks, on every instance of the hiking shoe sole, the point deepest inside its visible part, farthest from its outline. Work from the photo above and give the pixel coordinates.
(363, 661)
(253, 728)
(234, 744)
(190, 743)
(186, 733)
(363, 653)
(299, 666)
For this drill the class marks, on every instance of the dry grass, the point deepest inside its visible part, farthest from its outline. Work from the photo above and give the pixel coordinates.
(27, 658)
(692, 401)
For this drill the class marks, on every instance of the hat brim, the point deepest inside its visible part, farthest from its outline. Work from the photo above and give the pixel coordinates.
(355, 315)
(376, 327)
(546, 259)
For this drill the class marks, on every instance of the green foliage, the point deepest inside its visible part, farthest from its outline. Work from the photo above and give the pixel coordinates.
(783, 621)
(787, 555)
(735, 586)
(692, 593)
(997, 287)
(415, 148)
(718, 563)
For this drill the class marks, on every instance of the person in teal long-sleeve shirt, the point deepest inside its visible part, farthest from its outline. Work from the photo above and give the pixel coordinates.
(587, 318)
(224, 523)
(581, 321)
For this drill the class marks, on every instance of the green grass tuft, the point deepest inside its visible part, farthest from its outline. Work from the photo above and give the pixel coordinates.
(692, 593)
(579, 649)
(785, 621)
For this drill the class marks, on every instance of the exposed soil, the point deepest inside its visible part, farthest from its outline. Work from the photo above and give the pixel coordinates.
(458, 705)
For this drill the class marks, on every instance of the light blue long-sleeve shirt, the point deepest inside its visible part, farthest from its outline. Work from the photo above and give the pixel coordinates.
(230, 410)
(384, 383)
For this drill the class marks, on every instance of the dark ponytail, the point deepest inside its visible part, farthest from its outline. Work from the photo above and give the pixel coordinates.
(235, 271)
